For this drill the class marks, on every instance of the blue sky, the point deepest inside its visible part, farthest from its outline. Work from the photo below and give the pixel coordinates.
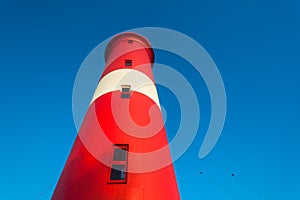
(255, 45)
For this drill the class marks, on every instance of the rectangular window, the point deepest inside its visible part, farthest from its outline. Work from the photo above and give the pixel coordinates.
(118, 164)
(125, 96)
(120, 154)
(128, 63)
(117, 172)
(125, 91)
(130, 41)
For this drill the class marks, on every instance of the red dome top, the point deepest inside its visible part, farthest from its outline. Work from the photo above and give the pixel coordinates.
(129, 36)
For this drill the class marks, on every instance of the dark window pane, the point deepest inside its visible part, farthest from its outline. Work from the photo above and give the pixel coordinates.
(130, 41)
(119, 154)
(125, 89)
(125, 95)
(128, 62)
(117, 172)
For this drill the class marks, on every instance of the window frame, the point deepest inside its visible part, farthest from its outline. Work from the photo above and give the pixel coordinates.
(118, 162)
(127, 94)
(128, 63)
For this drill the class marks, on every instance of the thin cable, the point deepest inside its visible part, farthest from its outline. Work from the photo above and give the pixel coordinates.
(252, 187)
(226, 189)
(44, 191)
(221, 186)
(242, 181)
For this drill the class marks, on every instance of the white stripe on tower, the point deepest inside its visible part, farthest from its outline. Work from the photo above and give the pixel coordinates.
(138, 81)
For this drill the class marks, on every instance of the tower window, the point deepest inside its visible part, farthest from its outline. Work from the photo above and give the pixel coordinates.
(125, 91)
(118, 164)
(117, 172)
(130, 41)
(125, 96)
(128, 63)
(119, 154)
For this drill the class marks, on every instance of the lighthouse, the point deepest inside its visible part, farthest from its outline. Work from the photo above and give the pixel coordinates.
(121, 151)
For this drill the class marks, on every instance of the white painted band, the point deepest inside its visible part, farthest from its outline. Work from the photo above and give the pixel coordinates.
(138, 81)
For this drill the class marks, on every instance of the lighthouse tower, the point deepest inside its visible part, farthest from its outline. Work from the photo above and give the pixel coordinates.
(121, 151)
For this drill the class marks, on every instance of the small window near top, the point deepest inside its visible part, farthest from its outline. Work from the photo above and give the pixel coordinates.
(125, 91)
(128, 63)
(125, 96)
(130, 41)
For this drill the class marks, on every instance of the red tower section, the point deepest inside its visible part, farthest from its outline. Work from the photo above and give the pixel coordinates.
(121, 151)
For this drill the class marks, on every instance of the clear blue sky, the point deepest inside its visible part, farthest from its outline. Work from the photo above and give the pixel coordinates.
(255, 45)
